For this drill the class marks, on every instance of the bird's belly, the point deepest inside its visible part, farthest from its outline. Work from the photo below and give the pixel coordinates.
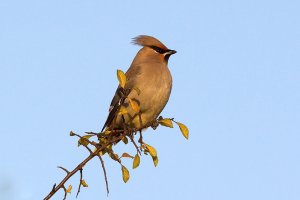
(151, 101)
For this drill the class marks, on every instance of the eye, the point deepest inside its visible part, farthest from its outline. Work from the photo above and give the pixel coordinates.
(158, 50)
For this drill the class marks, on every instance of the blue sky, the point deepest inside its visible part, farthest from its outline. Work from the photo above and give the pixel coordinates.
(236, 83)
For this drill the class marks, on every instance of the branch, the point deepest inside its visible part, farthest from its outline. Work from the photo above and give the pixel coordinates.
(69, 175)
(81, 165)
(105, 146)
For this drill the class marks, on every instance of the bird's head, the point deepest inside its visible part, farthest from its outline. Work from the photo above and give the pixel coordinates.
(153, 48)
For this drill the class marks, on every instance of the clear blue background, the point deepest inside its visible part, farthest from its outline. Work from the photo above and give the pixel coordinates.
(236, 86)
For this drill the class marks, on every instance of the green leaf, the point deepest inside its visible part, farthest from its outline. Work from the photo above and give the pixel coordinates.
(121, 77)
(136, 161)
(184, 130)
(125, 174)
(166, 122)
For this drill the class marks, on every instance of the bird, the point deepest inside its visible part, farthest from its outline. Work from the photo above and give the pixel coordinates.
(149, 85)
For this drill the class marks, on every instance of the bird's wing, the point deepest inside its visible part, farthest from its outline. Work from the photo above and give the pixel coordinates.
(114, 105)
(132, 75)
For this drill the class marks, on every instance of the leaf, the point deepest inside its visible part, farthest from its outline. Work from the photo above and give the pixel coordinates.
(136, 161)
(84, 140)
(87, 136)
(121, 77)
(134, 105)
(184, 130)
(106, 132)
(101, 153)
(122, 111)
(151, 150)
(153, 154)
(103, 141)
(155, 160)
(125, 140)
(125, 174)
(83, 183)
(72, 133)
(69, 189)
(166, 122)
(114, 156)
(126, 155)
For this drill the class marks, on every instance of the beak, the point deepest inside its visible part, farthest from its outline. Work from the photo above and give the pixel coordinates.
(170, 52)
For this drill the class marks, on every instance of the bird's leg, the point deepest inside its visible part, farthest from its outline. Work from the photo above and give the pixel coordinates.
(141, 138)
(141, 124)
(154, 124)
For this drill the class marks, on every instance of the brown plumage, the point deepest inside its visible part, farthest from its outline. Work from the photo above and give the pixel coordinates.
(148, 41)
(150, 74)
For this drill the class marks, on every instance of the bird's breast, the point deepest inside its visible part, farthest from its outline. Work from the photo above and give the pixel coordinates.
(154, 83)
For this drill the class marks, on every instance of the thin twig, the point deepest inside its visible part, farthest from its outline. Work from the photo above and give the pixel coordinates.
(80, 180)
(104, 171)
(63, 169)
(91, 133)
(65, 190)
(53, 186)
(88, 148)
(135, 145)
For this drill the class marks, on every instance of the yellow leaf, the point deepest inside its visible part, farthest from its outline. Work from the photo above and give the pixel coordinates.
(106, 132)
(103, 141)
(84, 140)
(184, 130)
(121, 77)
(155, 160)
(125, 140)
(101, 153)
(126, 155)
(114, 156)
(122, 111)
(166, 122)
(136, 161)
(83, 183)
(87, 136)
(151, 150)
(125, 174)
(134, 105)
(69, 189)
